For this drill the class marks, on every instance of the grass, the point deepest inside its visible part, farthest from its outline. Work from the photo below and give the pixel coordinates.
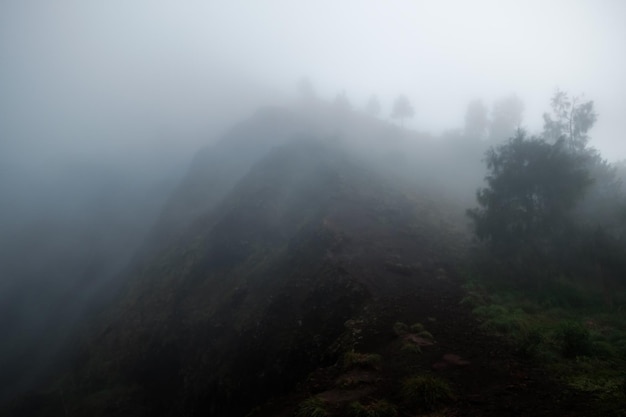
(576, 338)
(360, 360)
(380, 408)
(400, 329)
(411, 348)
(426, 392)
(312, 407)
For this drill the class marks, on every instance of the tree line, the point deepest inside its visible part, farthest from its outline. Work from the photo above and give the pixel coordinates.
(552, 206)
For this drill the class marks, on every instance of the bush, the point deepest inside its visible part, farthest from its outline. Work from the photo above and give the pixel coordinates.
(426, 392)
(400, 329)
(425, 334)
(412, 348)
(417, 327)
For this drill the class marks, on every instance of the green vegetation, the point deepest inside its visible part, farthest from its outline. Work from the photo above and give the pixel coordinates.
(584, 346)
(400, 329)
(426, 392)
(426, 335)
(417, 328)
(552, 261)
(380, 408)
(312, 407)
(360, 360)
(412, 348)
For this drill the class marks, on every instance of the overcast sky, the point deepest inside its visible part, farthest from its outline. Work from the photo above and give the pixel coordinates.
(110, 66)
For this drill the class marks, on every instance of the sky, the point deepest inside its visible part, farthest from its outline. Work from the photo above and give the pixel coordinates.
(99, 76)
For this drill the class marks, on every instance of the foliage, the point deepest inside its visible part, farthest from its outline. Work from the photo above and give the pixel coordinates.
(552, 206)
(402, 109)
(410, 347)
(425, 334)
(400, 329)
(380, 408)
(312, 407)
(360, 360)
(531, 187)
(570, 120)
(572, 335)
(426, 392)
(417, 327)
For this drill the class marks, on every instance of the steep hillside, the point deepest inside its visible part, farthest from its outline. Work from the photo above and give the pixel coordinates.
(254, 294)
(276, 283)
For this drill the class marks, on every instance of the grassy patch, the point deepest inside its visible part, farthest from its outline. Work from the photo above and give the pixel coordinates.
(576, 338)
(380, 408)
(426, 392)
(360, 360)
(312, 407)
(411, 348)
(400, 329)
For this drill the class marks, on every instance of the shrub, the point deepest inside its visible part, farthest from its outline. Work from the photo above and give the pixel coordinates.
(426, 392)
(312, 407)
(411, 348)
(417, 327)
(425, 334)
(400, 329)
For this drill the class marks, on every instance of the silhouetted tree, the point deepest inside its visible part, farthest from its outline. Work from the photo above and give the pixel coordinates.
(373, 106)
(532, 187)
(506, 116)
(570, 120)
(402, 109)
(476, 120)
(342, 103)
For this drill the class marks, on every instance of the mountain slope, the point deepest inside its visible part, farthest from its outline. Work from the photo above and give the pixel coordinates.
(275, 260)
(254, 294)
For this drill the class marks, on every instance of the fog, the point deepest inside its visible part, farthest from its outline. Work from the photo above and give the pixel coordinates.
(104, 103)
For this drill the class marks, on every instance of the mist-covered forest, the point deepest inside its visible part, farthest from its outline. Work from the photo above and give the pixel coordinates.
(312, 209)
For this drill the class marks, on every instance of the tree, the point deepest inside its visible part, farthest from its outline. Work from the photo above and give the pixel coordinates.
(476, 120)
(553, 206)
(402, 109)
(532, 187)
(373, 106)
(506, 116)
(570, 120)
(342, 103)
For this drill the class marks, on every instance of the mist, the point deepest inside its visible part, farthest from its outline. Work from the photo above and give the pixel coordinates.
(103, 106)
